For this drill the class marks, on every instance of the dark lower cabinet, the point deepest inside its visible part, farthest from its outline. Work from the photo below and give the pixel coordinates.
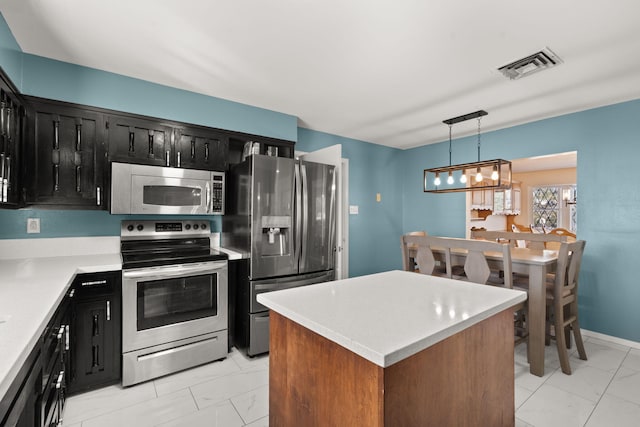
(96, 348)
(21, 405)
(55, 353)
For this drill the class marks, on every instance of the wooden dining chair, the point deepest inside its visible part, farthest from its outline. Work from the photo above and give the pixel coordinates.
(562, 301)
(417, 251)
(478, 269)
(533, 240)
(408, 262)
(476, 265)
(563, 232)
(571, 237)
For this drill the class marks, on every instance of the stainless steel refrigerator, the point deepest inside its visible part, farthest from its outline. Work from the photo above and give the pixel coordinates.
(282, 213)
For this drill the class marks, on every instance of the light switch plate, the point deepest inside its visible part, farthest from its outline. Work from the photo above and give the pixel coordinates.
(353, 209)
(33, 225)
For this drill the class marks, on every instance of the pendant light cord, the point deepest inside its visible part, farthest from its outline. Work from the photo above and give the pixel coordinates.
(450, 126)
(478, 140)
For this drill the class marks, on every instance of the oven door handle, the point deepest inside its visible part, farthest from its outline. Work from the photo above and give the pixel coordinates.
(181, 270)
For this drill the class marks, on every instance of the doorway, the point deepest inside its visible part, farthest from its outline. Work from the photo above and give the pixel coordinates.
(546, 188)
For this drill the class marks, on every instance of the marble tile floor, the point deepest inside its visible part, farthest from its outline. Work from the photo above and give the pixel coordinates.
(603, 391)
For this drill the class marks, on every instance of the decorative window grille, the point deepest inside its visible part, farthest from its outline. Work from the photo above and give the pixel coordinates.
(549, 211)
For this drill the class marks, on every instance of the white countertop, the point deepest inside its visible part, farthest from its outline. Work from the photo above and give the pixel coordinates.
(387, 317)
(30, 291)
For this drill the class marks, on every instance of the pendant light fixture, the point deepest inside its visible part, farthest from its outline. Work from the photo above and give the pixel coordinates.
(489, 174)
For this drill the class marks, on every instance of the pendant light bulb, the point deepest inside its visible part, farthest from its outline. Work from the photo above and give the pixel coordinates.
(478, 175)
(450, 178)
(495, 175)
(436, 181)
(463, 177)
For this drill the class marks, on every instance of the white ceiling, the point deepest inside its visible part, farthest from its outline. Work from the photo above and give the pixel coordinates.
(386, 72)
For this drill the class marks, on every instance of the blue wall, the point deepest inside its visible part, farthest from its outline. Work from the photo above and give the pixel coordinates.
(10, 54)
(373, 233)
(607, 140)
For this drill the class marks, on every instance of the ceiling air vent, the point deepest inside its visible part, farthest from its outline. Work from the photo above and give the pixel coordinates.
(531, 64)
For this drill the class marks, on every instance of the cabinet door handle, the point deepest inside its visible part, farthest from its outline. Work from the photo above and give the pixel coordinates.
(2, 122)
(59, 381)
(8, 122)
(56, 177)
(108, 310)
(98, 196)
(193, 148)
(66, 339)
(150, 143)
(168, 158)
(178, 159)
(56, 135)
(95, 331)
(206, 151)
(94, 353)
(78, 175)
(78, 136)
(61, 332)
(132, 146)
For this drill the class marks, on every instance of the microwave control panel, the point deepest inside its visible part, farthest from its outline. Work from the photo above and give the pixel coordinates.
(217, 193)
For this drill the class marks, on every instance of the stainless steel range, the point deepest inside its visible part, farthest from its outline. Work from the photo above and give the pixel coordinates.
(174, 298)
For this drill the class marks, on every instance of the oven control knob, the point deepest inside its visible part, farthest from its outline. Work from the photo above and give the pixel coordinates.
(140, 227)
(187, 226)
(195, 226)
(130, 227)
(203, 226)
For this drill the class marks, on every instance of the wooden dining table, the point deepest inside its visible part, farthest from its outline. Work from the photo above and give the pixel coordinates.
(536, 264)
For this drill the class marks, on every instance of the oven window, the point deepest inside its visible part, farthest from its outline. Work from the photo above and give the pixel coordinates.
(171, 195)
(168, 301)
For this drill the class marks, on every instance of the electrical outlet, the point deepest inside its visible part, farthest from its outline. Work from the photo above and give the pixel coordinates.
(353, 209)
(378, 197)
(33, 225)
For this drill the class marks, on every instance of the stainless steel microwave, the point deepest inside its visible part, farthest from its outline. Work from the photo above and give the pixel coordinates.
(142, 189)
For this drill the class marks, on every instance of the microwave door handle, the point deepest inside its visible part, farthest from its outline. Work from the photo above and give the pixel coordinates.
(208, 195)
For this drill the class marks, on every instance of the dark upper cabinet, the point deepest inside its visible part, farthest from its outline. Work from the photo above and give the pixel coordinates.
(137, 140)
(200, 148)
(12, 118)
(65, 158)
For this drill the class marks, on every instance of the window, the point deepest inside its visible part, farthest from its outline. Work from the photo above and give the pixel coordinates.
(549, 211)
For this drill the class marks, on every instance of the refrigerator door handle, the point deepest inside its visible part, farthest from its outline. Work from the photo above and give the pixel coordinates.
(298, 214)
(305, 215)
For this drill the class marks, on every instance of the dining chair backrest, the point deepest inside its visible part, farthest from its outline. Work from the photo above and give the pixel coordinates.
(476, 265)
(568, 269)
(408, 263)
(533, 240)
(563, 232)
(521, 228)
(571, 237)
(421, 246)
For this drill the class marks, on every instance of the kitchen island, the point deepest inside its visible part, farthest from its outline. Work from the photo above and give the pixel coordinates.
(393, 348)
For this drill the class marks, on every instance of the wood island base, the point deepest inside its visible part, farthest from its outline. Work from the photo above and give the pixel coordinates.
(464, 380)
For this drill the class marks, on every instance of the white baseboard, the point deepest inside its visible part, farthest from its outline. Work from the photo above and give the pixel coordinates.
(611, 339)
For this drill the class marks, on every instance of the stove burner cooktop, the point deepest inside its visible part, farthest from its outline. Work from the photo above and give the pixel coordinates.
(156, 243)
